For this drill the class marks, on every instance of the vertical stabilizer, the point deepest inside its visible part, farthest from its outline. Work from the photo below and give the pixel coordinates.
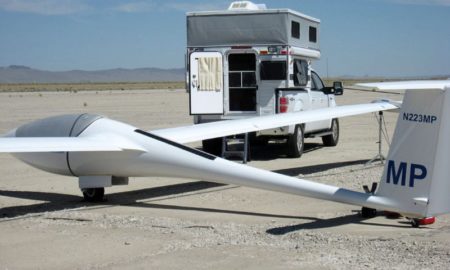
(417, 171)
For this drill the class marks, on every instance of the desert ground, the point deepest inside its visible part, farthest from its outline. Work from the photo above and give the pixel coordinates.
(160, 223)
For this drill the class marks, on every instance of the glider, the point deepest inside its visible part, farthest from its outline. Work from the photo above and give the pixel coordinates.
(102, 152)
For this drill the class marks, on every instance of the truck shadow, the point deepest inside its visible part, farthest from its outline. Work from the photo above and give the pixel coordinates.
(273, 151)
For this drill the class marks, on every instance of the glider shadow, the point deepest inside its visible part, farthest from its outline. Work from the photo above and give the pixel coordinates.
(319, 168)
(150, 197)
(332, 222)
(137, 198)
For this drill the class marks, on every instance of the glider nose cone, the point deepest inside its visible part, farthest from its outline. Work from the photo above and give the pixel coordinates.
(10, 134)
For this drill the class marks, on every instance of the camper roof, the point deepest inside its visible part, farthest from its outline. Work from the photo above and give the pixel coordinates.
(259, 11)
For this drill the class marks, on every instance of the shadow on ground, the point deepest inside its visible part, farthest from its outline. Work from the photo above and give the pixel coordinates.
(273, 151)
(152, 198)
(332, 222)
(320, 167)
(147, 198)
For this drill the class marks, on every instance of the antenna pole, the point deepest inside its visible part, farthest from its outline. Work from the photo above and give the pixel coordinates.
(380, 155)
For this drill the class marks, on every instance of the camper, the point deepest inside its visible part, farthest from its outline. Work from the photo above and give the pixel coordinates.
(252, 61)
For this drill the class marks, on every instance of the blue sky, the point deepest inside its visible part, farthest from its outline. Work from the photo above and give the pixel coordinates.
(358, 37)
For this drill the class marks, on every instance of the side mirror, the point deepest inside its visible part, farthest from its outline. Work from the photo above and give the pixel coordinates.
(338, 88)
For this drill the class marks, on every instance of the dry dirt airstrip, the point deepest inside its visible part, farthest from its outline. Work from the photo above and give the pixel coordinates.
(156, 223)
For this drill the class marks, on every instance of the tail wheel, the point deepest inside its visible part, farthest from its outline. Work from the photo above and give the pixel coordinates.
(416, 222)
(295, 143)
(333, 138)
(93, 194)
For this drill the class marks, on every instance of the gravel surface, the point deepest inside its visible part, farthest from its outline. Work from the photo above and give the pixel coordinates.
(157, 223)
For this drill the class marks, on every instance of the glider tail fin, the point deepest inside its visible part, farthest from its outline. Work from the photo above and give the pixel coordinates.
(417, 172)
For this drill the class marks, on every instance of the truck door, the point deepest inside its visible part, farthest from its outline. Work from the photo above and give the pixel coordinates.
(273, 75)
(319, 100)
(206, 83)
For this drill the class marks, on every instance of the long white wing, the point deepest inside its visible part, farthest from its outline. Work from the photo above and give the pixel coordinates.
(408, 85)
(63, 144)
(199, 132)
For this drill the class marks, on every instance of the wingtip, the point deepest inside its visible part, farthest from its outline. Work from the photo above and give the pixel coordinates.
(407, 85)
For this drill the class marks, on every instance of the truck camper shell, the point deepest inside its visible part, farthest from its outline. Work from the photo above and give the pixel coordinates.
(252, 28)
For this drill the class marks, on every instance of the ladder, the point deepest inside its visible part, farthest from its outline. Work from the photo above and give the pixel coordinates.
(236, 146)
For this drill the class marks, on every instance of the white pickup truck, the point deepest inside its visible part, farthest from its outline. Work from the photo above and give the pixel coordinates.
(251, 61)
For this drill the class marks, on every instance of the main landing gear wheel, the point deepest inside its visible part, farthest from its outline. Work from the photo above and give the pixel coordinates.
(333, 138)
(295, 143)
(368, 212)
(93, 194)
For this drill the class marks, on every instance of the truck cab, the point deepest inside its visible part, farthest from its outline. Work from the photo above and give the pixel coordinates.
(251, 61)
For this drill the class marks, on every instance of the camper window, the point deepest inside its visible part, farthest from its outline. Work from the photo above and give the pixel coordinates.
(312, 34)
(273, 70)
(242, 68)
(295, 29)
(241, 61)
(300, 72)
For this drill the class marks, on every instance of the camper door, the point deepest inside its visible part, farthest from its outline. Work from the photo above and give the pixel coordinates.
(206, 83)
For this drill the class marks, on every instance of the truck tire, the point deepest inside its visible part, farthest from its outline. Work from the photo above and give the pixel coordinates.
(213, 146)
(332, 139)
(295, 142)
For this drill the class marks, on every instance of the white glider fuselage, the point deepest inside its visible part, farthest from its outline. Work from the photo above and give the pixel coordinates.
(160, 157)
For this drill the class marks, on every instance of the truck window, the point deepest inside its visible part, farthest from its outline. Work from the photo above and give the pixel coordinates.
(300, 72)
(316, 83)
(273, 70)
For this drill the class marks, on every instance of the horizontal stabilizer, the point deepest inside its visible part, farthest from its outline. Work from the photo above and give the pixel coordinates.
(231, 127)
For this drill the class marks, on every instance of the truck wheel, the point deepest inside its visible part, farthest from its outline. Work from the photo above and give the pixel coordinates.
(295, 143)
(213, 146)
(93, 194)
(332, 139)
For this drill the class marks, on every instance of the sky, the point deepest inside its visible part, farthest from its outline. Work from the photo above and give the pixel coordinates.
(357, 37)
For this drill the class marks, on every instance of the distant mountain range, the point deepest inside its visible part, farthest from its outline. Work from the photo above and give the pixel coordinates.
(23, 74)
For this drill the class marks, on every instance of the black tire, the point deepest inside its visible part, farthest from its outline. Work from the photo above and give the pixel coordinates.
(213, 146)
(295, 142)
(93, 194)
(368, 212)
(332, 139)
(415, 223)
